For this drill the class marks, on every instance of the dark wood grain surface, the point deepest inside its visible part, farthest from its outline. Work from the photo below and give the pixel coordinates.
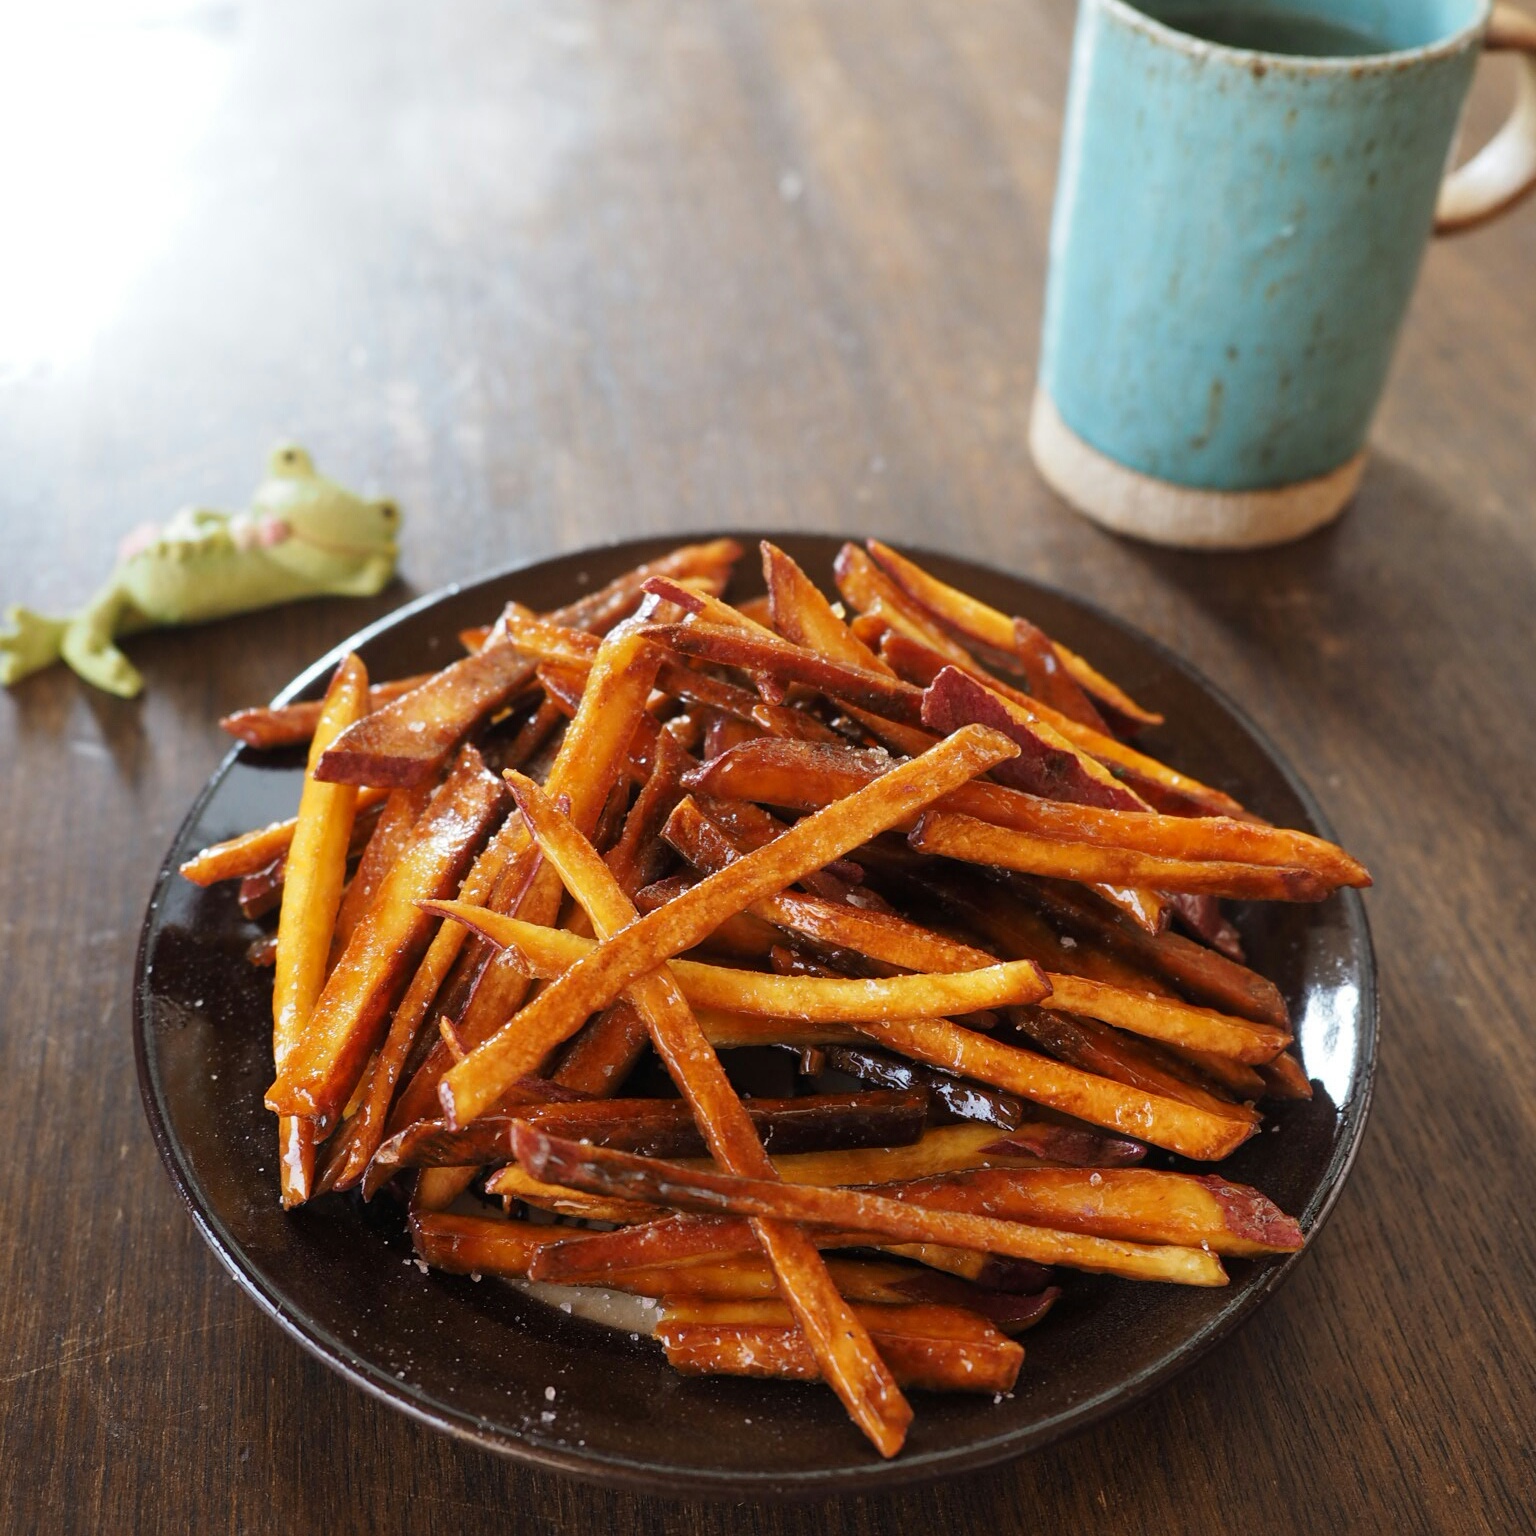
(560, 273)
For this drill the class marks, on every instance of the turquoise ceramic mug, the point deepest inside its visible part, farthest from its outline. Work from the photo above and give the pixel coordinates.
(1236, 235)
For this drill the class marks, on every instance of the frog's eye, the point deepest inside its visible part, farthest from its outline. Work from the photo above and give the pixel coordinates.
(389, 511)
(290, 455)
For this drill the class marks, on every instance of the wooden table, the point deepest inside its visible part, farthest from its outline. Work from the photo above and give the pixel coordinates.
(558, 274)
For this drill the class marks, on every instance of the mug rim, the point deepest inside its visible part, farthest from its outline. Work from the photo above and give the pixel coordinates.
(1298, 64)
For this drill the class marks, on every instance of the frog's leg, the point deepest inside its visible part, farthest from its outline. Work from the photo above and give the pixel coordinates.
(87, 644)
(28, 643)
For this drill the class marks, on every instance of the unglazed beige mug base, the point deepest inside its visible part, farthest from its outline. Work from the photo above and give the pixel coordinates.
(1186, 517)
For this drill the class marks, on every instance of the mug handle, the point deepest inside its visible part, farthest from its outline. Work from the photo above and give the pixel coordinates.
(1504, 170)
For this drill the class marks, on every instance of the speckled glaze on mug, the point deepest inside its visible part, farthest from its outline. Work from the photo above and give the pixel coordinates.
(1235, 240)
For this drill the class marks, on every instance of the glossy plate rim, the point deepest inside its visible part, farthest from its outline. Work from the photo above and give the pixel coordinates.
(730, 1482)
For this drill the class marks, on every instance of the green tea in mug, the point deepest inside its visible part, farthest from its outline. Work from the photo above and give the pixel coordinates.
(1270, 29)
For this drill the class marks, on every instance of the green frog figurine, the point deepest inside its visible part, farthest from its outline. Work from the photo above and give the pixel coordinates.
(303, 536)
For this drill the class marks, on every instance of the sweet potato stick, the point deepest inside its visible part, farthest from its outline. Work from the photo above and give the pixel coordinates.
(726, 646)
(1200, 1133)
(707, 607)
(1049, 764)
(533, 733)
(846, 1358)
(976, 842)
(546, 641)
(585, 1258)
(1285, 1079)
(391, 835)
(473, 1085)
(998, 631)
(914, 1321)
(1048, 680)
(940, 1149)
(774, 1350)
(316, 869)
(291, 725)
(1160, 1018)
(252, 852)
(804, 776)
(622, 1175)
(402, 743)
(1135, 1204)
(804, 617)
(682, 1288)
(605, 1052)
(481, 1245)
(1131, 1059)
(465, 1245)
(549, 952)
(318, 1076)
(666, 1128)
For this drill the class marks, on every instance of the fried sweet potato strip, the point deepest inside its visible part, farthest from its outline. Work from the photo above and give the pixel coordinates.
(314, 874)
(1177, 1023)
(1207, 1133)
(1091, 864)
(622, 1175)
(700, 1345)
(1048, 765)
(550, 952)
(804, 617)
(479, 1245)
(1137, 1204)
(585, 1258)
(391, 835)
(252, 852)
(319, 1075)
(465, 1245)
(402, 744)
(940, 1149)
(708, 564)
(473, 1085)
(291, 725)
(666, 1127)
(726, 646)
(843, 1352)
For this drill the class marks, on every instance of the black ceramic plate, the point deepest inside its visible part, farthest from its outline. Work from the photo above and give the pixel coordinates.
(475, 1358)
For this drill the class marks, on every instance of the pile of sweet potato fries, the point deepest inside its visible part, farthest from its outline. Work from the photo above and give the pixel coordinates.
(905, 836)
